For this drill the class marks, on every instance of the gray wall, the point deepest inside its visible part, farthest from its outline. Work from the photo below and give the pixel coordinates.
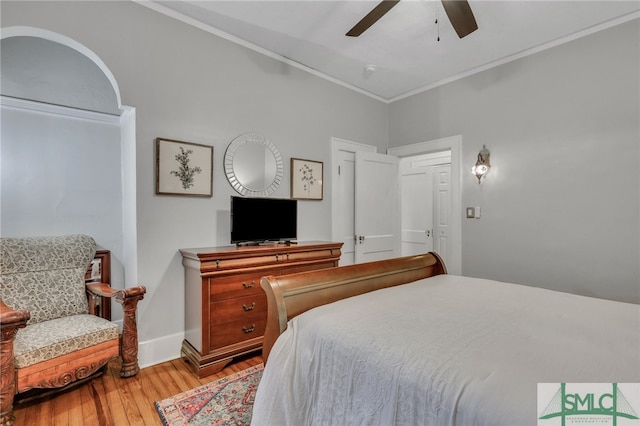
(560, 206)
(189, 85)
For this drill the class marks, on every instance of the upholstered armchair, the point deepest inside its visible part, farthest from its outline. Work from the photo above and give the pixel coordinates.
(50, 337)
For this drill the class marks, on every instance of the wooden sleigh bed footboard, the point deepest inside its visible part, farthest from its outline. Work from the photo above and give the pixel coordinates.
(290, 295)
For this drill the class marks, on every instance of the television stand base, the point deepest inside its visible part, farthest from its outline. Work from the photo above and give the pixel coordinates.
(265, 243)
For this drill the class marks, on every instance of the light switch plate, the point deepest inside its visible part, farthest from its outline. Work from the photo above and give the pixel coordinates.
(471, 212)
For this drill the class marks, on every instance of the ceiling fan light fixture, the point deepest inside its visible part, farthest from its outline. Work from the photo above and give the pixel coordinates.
(461, 16)
(372, 17)
(458, 11)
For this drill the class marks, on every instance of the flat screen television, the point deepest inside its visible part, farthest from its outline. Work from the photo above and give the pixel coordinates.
(260, 220)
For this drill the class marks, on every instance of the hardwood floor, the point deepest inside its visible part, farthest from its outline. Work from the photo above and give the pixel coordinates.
(110, 400)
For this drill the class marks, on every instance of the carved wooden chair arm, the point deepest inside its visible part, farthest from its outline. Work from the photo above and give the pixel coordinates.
(128, 298)
(13, 318)
(105, 290)
(101, 289)
(97, 293)
(130, 293)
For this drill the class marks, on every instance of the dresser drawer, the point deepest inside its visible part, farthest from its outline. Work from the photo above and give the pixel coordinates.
(236, 320)
(247, 308)
(235, 332)
(234, 286)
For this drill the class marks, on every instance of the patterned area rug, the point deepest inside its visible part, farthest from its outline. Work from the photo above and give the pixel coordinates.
(227, 401)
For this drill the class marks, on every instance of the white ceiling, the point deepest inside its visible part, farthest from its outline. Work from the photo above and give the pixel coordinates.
(403, 44)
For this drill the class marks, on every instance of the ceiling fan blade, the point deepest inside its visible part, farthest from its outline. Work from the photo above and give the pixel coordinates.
(461, 16)
(376, 13)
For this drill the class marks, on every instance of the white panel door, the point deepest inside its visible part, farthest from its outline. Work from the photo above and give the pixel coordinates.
(442, 222)
(377, 207)
(344, 203)
(416, 207)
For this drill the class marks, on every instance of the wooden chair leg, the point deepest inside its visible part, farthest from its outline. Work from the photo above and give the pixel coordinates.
(129, 348)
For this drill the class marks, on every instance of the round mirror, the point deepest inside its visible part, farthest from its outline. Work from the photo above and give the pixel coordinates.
(253, 165)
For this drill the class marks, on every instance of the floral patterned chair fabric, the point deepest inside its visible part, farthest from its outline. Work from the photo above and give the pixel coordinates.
(49, 337)
(54, 267)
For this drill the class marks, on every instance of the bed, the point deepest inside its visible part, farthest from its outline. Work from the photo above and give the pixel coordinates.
(430, 348)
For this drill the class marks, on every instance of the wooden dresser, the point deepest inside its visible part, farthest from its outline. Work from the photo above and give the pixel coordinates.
(225, 307)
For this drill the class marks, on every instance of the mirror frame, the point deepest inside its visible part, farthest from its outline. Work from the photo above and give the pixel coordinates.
(232, 177)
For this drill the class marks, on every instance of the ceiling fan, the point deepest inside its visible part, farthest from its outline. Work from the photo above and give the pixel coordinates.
(458, 11)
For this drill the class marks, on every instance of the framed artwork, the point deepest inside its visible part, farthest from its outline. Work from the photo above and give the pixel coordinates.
(306, 179)
(183, 168)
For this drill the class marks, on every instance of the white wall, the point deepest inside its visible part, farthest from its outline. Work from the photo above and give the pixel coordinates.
(561, 205)
(189, 85)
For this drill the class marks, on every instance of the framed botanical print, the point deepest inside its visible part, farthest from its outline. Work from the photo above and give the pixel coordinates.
(306, 179)
(183, 168)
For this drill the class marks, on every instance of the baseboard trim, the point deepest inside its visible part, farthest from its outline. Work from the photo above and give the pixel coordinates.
(162, 349)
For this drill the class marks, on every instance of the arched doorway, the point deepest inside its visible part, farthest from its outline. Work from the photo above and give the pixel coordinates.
(68, 147)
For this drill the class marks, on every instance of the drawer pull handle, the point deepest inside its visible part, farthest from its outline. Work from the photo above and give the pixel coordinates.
(250, 329)
(245, 285)
(249, 308)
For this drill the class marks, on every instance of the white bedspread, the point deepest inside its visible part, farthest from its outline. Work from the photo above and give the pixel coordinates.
(446, 350)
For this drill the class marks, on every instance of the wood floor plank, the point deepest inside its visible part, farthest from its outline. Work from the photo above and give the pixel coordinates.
(129, 403)
(190, 381)
(110, 400)
(164, 383)
(99, 403)
(61, 409)
(43, 414)
(110, 381)
(140, 400)
(76, 416)
(22, 416)
(151, 385)
(184, 381)
(90, 405)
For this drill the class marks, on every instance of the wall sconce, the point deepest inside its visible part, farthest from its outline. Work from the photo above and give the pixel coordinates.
(483, 164)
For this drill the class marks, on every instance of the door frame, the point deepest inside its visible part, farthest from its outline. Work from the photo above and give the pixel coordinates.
(453, 143)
